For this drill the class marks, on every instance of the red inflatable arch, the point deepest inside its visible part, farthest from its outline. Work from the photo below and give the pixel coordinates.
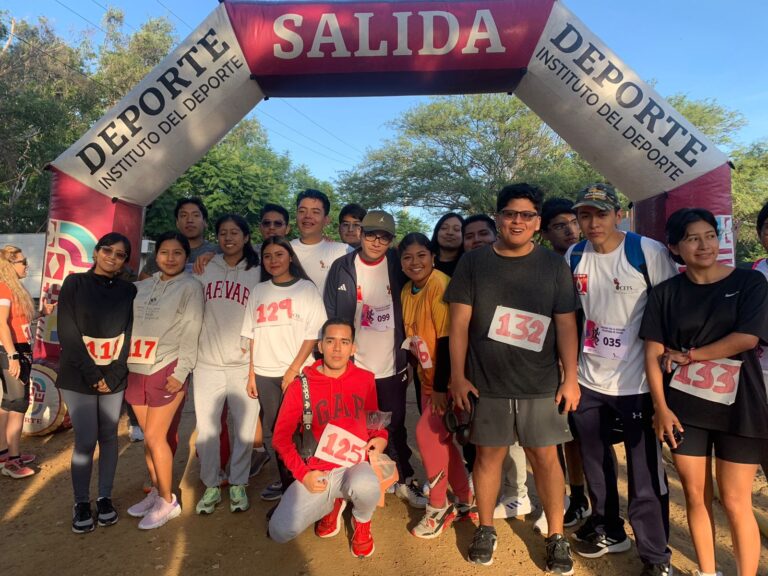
(247, 51)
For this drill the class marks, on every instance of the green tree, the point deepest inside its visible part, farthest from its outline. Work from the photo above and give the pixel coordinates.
(455, 153)
(750, 193)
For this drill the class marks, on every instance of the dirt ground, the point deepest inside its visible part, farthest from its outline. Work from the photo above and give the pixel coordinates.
(35, 516)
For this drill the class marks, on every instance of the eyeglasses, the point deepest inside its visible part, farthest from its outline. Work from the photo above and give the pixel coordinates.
(525, 216)
(22, 262)
(109, 251)
(350, 226)
(382, 238)
(272, 223)
(561, 226)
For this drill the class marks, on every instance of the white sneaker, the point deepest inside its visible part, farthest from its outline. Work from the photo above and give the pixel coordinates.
(697, 573)
(541, 526)
(513, 507)
(135, 434)
(160, 513)
(142, 508)
(411, 493)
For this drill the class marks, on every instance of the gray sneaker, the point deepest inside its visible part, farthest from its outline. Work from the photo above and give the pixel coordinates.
(272, 492)
(258, 460)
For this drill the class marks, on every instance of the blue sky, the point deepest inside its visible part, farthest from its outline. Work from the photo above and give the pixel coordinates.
(704, 48)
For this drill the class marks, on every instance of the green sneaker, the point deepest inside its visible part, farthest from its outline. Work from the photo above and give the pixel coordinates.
(238, 499)
(208, 502)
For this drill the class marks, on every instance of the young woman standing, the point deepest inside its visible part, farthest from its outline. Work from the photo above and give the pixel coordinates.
(16, 313)
(221, 373)
(168, 316)
(701, 331)
(94, 328)
(426, 317)
(448, 242)
(282, 322)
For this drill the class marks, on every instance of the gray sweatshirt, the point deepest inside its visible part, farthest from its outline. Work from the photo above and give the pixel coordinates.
(226, 290)
(168, 316)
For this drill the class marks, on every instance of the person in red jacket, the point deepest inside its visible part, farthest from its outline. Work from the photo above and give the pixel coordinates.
(341, 398)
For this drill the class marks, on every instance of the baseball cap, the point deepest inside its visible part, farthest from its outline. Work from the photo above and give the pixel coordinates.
(600, 196)
(378, 220)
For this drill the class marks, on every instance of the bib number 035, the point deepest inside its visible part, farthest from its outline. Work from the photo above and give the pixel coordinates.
(519, 328)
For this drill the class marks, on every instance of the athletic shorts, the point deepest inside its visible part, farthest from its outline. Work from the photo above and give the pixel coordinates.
(149, 390)
(533, 422)
(728, 447)
(15, 396)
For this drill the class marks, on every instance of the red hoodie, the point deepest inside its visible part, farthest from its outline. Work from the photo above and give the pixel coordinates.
(343, 401)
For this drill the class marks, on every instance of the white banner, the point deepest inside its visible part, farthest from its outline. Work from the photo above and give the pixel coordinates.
(610, 116)
(170, 120)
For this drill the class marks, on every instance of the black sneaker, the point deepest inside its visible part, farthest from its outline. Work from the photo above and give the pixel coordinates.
(258, 459)
(559, 560)
(82, 518)
(483, 545)
(601, 544)
(586, 531)
(578, 510)
(272, 492)
(107, 512)
(657, 570)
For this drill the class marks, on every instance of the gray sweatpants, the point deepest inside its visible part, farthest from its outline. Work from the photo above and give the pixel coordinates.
(213, 386)
(515, 473)
(94, 420)
(299, 508)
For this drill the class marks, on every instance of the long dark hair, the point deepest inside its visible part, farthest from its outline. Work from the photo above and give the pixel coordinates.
(249, 254)
(173, 235)
(436, 245)
(294, 268)
(415, 238)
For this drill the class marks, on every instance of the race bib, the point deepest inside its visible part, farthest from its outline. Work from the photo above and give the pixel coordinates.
(274, 313)
(519, 328)
(341, 447)
(712, 380)
(143, 350)
(606, 341)
(379, 318)
(418, 348)
(103, 350)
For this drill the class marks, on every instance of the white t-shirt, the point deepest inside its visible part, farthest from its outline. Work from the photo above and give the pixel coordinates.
(374, 319)
(316, 259)
(279, 319)
(613, 295)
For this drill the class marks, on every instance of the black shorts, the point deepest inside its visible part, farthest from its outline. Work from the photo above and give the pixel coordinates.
(16, 390)
(728, 447)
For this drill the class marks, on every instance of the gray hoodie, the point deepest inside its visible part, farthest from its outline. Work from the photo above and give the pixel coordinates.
(168, 315)
(226, 290)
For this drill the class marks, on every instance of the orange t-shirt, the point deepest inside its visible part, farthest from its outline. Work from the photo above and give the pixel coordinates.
(17, 320)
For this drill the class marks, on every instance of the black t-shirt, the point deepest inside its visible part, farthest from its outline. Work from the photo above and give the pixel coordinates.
(512, 348)
(447, 267)
(682, 315)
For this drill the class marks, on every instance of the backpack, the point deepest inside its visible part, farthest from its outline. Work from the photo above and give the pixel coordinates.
(305, 441)
(632, 249)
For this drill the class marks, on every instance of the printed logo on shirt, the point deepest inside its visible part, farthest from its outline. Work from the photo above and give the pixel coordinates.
(322, 265)
(580, 280)
(731, 294)
(342, 288)
(625, 288)
(224, 289)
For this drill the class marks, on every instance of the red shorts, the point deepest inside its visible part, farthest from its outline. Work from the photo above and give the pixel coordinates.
(149, 390)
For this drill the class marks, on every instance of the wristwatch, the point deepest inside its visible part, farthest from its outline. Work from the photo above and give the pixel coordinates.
(14, 356)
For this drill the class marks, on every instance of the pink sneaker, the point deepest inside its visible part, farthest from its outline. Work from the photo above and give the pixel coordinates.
(142, 508)
(25, 458)
(16, 469)
(160, 513)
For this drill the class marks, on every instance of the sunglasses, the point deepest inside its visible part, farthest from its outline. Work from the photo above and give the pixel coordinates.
(382, 238)
(22, 262)
(109, 251)
(525, 216)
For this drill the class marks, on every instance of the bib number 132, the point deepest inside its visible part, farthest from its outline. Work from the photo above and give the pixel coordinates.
(519, 328)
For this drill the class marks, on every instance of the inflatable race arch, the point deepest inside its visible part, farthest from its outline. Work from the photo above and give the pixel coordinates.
(245, 52)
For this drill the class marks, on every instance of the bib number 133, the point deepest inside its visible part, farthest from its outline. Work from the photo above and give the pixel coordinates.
(519, 328)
